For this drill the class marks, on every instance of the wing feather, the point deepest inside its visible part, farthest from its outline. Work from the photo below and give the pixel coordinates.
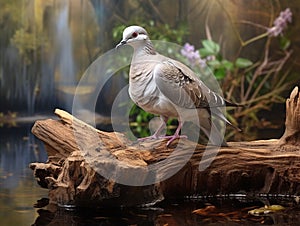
(180, 84)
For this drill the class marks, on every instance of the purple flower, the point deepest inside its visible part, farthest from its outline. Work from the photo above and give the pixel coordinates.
(187, 48)
(280, 23)
(191, 54)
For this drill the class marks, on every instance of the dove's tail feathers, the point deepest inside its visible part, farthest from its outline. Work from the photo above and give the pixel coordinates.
(213, 133)
(219, 114)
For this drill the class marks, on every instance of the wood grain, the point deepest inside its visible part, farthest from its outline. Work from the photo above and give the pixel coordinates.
(79, 156)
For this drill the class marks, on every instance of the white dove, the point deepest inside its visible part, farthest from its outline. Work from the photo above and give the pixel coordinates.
(166, 87)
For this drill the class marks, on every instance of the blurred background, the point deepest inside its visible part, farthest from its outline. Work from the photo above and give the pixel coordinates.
(46, 46)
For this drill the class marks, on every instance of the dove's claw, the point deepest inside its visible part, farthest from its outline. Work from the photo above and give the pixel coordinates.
(153, 137)
(172, 138)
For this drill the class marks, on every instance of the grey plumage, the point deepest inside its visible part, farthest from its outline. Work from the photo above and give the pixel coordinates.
(163, 86)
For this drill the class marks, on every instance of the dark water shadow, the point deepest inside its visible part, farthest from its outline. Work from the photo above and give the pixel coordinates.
(228, 211)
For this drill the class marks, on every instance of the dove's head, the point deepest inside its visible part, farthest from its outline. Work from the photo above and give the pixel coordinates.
(134, 36)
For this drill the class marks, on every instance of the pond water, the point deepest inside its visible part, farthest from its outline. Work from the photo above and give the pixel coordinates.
(18, 189)
(23, 202)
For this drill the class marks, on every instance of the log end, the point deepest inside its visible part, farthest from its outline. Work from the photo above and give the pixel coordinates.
(291, 138)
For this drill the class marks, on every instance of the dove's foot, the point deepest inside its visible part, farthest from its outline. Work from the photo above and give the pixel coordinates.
(156, 136)
(152, 137)
(175, 135)
(172, 138)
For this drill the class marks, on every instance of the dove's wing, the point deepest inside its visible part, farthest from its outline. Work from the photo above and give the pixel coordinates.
(179, 83)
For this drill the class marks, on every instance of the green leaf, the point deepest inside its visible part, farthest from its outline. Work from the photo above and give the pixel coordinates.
(205, 52)
(243, 63)
(139, 118)
(227, 64)
(220, 73)
(214, 64)
(211, 46)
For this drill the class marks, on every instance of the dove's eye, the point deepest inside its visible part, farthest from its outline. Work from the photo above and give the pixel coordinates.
(134, 34)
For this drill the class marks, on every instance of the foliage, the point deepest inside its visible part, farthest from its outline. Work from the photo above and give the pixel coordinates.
(209, 55)
(28, 43)
(30, 52)
(256, 86)
(20, 32)
(139, 120)
(20, 57)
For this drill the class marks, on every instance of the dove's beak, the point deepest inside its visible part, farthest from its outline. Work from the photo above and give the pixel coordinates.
(123, 42)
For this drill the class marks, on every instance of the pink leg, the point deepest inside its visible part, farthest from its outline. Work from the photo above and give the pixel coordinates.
(175, 135)
(158, 131)
(161, 127)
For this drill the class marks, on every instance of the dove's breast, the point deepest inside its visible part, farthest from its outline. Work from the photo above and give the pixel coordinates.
(144, 92)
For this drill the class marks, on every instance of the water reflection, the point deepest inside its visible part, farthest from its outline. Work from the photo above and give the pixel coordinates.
(175, 213)
(18, 189)
(18, 147)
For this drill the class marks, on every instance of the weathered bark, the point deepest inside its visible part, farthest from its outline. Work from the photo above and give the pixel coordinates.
(291, 137)
(91, 167)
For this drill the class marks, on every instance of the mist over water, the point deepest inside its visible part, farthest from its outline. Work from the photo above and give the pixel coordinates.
(44, 49)
(64, 49)
(64, 61)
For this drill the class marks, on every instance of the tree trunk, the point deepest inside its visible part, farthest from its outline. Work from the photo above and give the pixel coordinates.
(91, 167)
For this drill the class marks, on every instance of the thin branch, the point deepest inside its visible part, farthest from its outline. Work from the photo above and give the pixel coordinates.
(282, 79)
(252, 23)
(242, 87)
(207, 30)
(267, 95)
(258, 70)
(276, 71)
(254, 39)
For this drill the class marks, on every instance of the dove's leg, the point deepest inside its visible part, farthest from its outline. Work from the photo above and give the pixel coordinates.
(161, 127)
(175, 135)
(158, 131)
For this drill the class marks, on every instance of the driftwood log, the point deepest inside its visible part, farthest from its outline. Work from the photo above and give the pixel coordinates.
(88, 167)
